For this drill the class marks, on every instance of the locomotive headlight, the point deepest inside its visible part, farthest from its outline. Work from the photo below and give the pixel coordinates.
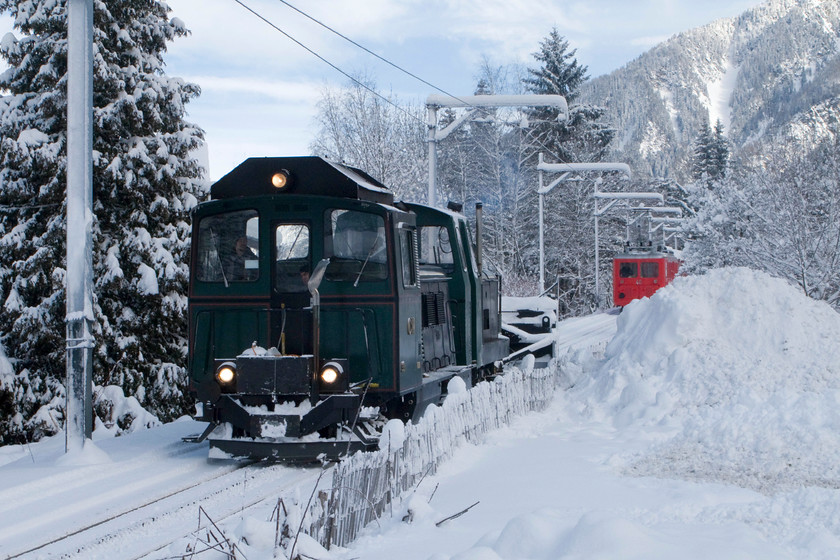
(331, 372)
(226, 373)
(281, 179)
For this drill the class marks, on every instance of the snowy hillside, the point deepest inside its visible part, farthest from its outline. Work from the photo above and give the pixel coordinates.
(773, 71)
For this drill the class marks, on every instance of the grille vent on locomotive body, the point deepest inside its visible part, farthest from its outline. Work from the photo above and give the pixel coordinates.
(307, 175)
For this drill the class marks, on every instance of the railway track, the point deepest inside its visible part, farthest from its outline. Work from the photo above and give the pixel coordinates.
(132, 510)
(149, 496)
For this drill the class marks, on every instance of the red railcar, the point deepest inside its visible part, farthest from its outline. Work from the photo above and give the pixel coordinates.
(638, 273)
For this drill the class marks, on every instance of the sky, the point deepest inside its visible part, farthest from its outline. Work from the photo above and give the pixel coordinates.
(260, 90)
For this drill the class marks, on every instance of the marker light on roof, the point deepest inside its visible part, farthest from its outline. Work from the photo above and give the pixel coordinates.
(280, 180)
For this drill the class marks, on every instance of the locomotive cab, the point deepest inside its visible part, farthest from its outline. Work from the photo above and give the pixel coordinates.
(310, 305)
(292, 300)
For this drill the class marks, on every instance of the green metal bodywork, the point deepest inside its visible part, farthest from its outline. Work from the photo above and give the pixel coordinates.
(359, 322)
(464, 283)
(370, 308)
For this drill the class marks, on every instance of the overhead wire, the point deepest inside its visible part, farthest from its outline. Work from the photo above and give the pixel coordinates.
(370, 52)
(327, 62)
(356, 44)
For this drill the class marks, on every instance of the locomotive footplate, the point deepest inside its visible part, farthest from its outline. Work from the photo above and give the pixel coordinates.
(293, 434)
(291, 450)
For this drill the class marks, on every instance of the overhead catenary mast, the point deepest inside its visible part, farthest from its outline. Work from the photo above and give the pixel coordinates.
(567, 169)
(436, 102)
(79, 416)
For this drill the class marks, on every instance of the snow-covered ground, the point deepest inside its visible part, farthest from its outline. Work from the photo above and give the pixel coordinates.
(125, 496)
(706, 427)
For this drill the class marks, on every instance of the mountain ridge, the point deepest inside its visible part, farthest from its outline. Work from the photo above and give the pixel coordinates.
(770, 73)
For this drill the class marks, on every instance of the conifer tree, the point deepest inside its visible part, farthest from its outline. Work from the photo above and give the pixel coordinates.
(701, 154)
(710, 157)
(580, 138)
(559, 73)
(720, 152)
(583, 137)
(144, 184)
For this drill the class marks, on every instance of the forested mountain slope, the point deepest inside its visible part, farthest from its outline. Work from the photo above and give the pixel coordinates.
(770, 75)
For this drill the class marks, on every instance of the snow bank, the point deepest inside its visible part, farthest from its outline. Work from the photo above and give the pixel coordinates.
(547, 534)
(737, 371)
(116, 413)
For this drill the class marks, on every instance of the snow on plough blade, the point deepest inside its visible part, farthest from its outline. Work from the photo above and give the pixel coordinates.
(289, 450)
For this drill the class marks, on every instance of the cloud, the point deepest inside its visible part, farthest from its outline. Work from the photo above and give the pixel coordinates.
(253, 77)
(228, 36)
(508, 29)
(276, 90)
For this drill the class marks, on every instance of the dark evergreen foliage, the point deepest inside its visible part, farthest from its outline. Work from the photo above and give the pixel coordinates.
(583, 136)
(559, 72)
(710, 158)
(145, 182)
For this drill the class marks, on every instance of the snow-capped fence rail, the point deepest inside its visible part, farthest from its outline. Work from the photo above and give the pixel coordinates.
(367, 484)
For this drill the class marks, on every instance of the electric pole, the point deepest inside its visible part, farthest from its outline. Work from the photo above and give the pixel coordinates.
(79, 418)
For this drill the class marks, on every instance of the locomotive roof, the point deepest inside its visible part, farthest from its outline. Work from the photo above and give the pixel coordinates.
(429, 210)
(307, 175)
(646, 253)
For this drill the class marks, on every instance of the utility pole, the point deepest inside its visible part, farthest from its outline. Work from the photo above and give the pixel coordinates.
(79, 420)
(475, 102)
(614, 198)
(567, 169)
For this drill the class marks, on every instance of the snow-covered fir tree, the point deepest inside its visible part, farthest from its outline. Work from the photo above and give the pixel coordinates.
(583, 137)
(716, 230)
(710, 158)
(559, 72)
(145, 182)
(721, 152)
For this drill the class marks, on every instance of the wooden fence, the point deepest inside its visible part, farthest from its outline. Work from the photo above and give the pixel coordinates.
(365, 486)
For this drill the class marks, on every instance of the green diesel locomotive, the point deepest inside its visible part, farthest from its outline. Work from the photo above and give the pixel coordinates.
(318, 305)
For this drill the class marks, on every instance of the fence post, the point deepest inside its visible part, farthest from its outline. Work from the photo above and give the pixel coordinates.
(379, 478)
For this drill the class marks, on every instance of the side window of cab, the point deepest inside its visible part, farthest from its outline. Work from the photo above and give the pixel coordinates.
(408, 256)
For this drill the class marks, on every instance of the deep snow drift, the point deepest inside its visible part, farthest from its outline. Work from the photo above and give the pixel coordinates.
(741, 367)
(707, 428)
